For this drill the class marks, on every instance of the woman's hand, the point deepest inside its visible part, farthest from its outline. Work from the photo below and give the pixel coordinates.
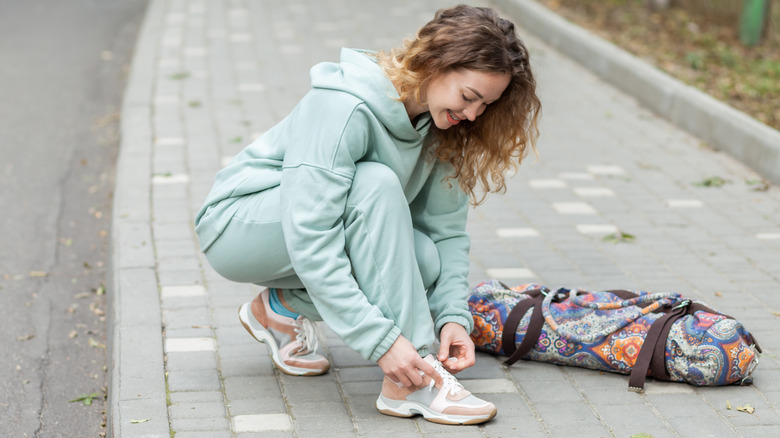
(456, 343)
(402, 364)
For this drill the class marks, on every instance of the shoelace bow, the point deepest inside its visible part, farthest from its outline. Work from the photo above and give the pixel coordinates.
(449, 382)
(306, 335)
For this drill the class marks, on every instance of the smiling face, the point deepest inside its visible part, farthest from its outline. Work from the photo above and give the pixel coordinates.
(462, 94)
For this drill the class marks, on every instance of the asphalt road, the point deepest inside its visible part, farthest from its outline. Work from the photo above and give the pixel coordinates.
(62, 73)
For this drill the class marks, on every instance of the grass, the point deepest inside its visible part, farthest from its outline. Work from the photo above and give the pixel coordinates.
(695, 41)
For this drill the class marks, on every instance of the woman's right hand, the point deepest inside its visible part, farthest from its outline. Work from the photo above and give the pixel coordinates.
(402, 364)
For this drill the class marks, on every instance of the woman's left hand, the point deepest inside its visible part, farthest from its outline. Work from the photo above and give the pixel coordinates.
(456, 343)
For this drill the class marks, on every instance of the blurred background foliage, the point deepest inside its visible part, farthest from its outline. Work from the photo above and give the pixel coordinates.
(696, 41)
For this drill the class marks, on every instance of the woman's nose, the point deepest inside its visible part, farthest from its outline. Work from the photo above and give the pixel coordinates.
(473, 111)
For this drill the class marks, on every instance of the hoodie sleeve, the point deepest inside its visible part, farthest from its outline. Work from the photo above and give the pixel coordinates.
(440, 211)
(318, 170)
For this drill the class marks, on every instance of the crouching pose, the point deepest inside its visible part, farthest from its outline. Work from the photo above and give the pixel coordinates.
(352, 210)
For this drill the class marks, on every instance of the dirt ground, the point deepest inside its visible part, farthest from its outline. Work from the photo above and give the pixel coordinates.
(696, 41)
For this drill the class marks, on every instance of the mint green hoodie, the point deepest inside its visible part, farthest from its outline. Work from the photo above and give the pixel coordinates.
(352, 114)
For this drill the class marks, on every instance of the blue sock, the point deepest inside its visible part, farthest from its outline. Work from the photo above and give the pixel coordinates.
(278, 307)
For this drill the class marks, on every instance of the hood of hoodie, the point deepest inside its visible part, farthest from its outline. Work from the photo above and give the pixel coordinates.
(359, 74)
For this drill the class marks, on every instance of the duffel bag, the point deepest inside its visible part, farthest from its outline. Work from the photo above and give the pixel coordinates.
(663, 335)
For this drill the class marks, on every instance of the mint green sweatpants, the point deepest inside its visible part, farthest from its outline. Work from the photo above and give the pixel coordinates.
(388, 256)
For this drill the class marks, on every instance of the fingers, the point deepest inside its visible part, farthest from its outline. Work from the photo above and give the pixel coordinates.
(430, 371)
(457, 348)
(402, 364)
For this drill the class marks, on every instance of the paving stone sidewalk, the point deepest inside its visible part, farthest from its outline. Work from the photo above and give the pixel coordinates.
(209, 76)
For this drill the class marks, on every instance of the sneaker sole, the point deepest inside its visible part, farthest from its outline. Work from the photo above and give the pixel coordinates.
(264, 336)
(406, 409)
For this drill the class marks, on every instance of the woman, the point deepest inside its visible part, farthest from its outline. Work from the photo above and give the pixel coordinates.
(353, 208)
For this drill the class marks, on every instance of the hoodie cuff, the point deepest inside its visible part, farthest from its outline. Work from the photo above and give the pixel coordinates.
(385, 344)
(466, 322)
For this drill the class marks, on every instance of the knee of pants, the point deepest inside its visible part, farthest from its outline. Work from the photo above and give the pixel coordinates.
(427, 258)
(376, 184)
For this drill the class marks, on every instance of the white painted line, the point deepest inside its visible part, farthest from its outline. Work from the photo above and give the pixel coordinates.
(510, 273)
(594, 192)
(604, 169)
(683, 203)
(216, 33)
(547, 183)
(596, 229)
(336, 42)
(195, 51)
(175, 17)
(246, 65)
(516, 232)
(185, 345)
(168, 62)
(177, 178)
(193, 290)
(171, 41)
(579, 176)
(226, 160)
(261, 422)
(251, 87)
(240, 37)
(168, 98)
(768, 236)
(489, 386)
(289, 49)
(237, 13)
(573, 208)
(168, 141)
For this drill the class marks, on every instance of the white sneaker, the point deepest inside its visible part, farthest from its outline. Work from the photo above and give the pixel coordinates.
(449, 403)
(293, 342)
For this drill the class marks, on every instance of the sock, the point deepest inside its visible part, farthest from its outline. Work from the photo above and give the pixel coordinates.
(278, 307)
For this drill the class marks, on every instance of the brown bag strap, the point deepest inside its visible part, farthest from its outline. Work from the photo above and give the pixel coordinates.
(651, 355)
(532, 334)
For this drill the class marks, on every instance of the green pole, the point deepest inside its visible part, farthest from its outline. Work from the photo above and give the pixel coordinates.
(751, 23)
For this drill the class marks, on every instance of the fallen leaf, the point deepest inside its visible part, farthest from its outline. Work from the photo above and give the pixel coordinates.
(96, 344)
(713, 181)
(728, 405)
(718, 294)
(86, 398)
(140, 421)
(747, 408)
(641, 435)
(38, 274)
(619, 237)
(73, 334)
(81, 295)
(25, 337)
(761, 185)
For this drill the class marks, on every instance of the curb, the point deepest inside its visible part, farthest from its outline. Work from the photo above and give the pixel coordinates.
(136, 380)
(725, 128)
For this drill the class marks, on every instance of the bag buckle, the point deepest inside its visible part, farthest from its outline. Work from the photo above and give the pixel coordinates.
(682, 304)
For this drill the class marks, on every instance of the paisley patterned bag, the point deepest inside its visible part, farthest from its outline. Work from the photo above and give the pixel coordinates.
(663, 335)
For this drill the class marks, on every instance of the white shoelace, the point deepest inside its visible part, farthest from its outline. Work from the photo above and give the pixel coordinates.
(449, 382)
(306, 335)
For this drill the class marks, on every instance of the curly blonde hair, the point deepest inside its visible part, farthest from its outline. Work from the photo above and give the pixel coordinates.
(474, 38)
